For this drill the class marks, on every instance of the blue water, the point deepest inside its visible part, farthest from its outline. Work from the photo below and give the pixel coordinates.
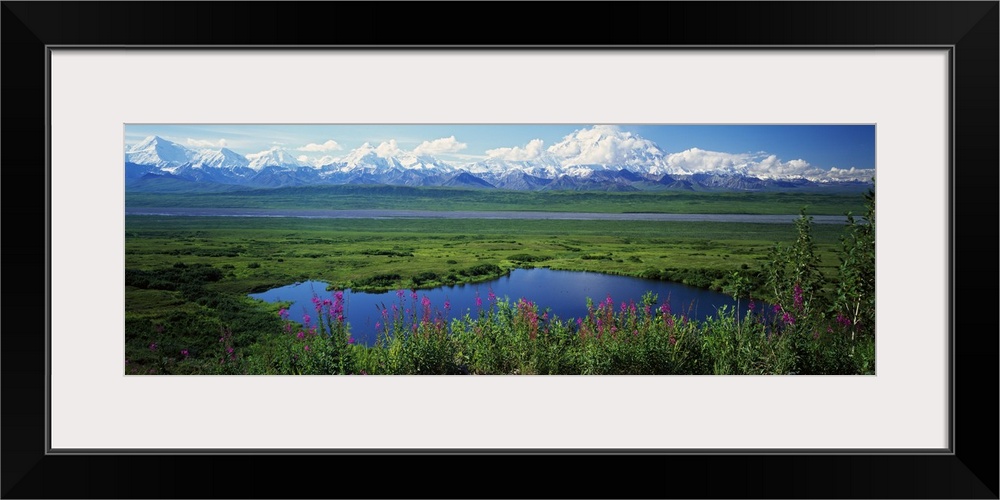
(564, 293)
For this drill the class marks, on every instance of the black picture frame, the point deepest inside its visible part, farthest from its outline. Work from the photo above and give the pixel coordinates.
(969, 28)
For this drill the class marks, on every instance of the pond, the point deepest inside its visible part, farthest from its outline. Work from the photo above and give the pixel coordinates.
(564, 293)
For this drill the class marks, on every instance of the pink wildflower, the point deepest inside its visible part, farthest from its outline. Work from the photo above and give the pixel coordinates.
(797, 296)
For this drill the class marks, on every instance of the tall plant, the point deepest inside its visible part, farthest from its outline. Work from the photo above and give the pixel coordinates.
(793, 274)
(854, 301)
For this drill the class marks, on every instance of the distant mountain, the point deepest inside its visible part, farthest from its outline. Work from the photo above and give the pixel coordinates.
(159, 152)
(372, 160)
(274, 157)
(220, 158)
(600, 158)
(169, 183)
(465, 179)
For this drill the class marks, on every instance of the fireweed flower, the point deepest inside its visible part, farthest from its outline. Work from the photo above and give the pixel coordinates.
(797, 296)
(152, 347)
(184, 352)
(776, 308)
(843, 320)
(301, 335)
(479, 301)
(752, 305)
(307, 348)
(491, 296)
(447, 305)
(305, 319)
(400, 293)
(282, 313)
(350, 340)
(414, 295)
(788, 318)
(378, 325)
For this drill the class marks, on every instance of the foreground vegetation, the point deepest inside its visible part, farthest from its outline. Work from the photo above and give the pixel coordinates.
(187, 313)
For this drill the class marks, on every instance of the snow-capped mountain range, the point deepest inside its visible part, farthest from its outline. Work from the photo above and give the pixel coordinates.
(597, 158)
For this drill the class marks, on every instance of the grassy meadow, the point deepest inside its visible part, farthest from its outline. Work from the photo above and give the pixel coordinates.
(186, 280)
(451, 199)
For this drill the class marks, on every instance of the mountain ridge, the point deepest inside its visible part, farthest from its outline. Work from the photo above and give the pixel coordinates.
(600, 159)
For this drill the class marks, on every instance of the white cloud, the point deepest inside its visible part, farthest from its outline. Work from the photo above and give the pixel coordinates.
(204, 143)
(696, 160)
(330, 145)
(439, 146)
(387, 149)
(531, 151)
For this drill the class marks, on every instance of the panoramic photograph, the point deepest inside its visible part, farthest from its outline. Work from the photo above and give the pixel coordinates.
(499, 249)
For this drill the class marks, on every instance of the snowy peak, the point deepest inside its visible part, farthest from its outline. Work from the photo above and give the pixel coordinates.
(220, 158)
(155, 150)
(386, 157)
(543, 166)
(598, 157)
(170, 156)
(605, 147)
(274, 157)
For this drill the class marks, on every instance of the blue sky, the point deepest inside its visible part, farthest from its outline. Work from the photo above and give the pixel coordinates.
(822, 146)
